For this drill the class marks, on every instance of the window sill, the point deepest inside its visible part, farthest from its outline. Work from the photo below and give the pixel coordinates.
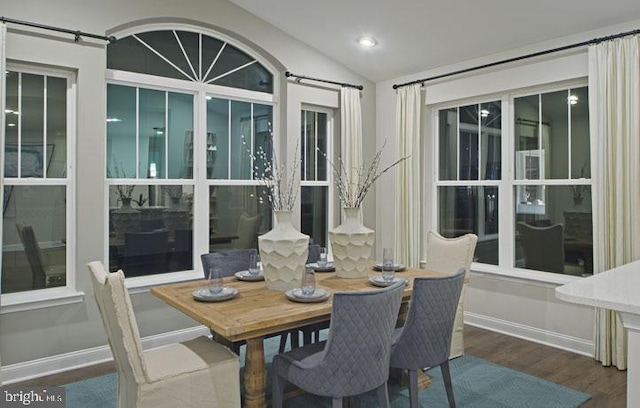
(39, 299)
(551, 280)
(141, 284)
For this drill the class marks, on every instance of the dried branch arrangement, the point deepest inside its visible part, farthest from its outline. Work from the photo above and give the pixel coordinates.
(279, 180)
(352, 192)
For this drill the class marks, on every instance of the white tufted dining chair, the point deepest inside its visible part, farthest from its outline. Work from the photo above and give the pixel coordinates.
(447, 255)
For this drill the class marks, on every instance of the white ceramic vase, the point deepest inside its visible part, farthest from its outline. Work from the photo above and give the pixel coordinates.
(283, 252)
(352, 243)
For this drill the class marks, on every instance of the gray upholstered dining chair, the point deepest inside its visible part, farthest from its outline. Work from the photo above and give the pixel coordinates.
(195, 373)
(425, 339)
(230, 261)
(354, 359)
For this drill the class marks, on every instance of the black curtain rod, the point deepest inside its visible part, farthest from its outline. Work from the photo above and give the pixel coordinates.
(535, 54)
(301, 77)
(77, 34)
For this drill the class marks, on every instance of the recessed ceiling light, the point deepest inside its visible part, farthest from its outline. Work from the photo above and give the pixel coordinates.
(484, 113)
(367, 42)
(11, 124)
(573, 99)
(111, 120)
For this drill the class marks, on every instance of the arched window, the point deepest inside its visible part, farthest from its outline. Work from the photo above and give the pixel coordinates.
(185, 114)
(189, 56)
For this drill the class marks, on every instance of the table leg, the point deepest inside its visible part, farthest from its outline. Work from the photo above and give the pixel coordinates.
(255, 374)
(402, 378)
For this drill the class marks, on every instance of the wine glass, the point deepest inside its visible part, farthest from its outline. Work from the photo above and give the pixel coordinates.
(388, 269)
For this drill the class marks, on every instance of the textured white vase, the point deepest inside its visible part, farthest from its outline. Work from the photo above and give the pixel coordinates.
(352, 243)
(283, 252)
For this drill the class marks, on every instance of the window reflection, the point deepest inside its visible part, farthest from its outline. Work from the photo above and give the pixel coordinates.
(314, 210)
(471, 209)
(151, 128)
(237, 215)
(150, 228)
(34, 238)
(470, 139)
(556, 237)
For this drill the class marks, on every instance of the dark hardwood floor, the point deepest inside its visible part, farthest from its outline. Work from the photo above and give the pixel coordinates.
(606, 385)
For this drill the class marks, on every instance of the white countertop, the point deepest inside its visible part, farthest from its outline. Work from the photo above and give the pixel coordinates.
(616, 289)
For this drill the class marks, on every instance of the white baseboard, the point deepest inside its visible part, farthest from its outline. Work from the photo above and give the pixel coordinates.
(534, 334)
(63, 362)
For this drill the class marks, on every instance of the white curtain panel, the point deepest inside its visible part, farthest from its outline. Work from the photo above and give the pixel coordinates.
(351, 130)
(614, 110)
(3, 34)
(407, 208)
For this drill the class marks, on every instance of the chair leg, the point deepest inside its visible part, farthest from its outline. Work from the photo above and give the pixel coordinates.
(283, 341)
(383, 395)
(413, 389)
(336, 403)
(446, 376)
(277, 390)
(306, 336)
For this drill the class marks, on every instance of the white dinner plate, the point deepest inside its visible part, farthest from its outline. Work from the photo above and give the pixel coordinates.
(246, 276)
(320, 295)
(204, 295)
(396, 267)
(378, 281)
(329, 267)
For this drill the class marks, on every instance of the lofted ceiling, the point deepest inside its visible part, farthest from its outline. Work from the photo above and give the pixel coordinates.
(416, 35)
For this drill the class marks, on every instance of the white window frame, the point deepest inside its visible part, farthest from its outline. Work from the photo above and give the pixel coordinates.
(330, 157)
(201, 184)
(507, 183)
(56, 296)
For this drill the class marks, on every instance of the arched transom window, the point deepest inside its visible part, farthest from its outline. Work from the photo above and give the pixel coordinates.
(189, 56)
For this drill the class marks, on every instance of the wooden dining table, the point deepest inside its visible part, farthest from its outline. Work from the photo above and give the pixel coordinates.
(257, 312)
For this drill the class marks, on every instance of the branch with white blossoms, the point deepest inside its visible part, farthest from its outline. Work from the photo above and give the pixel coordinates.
(280, 183)
(352, 192)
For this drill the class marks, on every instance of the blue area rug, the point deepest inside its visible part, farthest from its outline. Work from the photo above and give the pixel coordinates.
(477, 383)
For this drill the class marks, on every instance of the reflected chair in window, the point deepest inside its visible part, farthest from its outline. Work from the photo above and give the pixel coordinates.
(354, 359)
(146, 253)
(196, 373)
(446, 255)
(247, 231)
(425, 339)
(43, 274)
(544, 249)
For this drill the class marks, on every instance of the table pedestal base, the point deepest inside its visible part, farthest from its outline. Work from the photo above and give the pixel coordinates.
(255, 379)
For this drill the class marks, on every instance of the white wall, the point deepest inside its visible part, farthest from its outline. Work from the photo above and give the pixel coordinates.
(514, 305)
(50, 333)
